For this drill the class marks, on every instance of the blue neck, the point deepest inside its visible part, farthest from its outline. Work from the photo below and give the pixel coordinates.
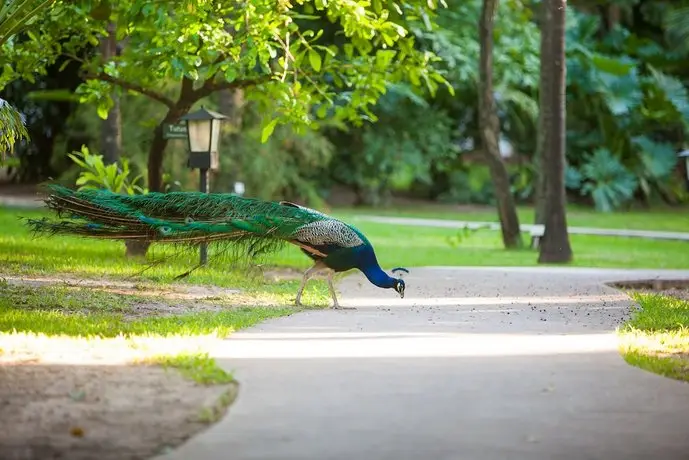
(377, 276)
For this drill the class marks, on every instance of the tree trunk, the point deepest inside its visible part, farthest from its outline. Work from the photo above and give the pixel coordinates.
(111, 127)
(540, 195)
(555, 247)
(156, 153)
(490, 131)
(231, 104)
(155, 158)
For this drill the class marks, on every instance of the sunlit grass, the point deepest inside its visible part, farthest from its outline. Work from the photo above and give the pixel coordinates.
(44, 323)
(657, 336)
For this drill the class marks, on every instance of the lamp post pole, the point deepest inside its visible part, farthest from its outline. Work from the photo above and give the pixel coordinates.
(203, 188)
(203, 134)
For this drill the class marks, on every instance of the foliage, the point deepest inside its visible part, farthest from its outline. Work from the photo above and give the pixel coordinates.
(398, 150)
(606, 180)
(48, 121)
(95, 175)
(287, 166)
(676, 21)
(516, 64)
(12, 129)
(624, 105)
(278, 53)
(469, 185)
(626, 87)
(15, 15)
(416, 140)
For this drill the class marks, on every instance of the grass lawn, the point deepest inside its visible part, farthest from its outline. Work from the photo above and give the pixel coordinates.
(70, 357)
(657, 337)
(36, 320)
(20, 253)
(662, 218)
(150, 323)
(60, 313)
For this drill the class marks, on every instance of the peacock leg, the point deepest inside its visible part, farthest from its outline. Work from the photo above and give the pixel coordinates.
(307, 274)
(332, 289)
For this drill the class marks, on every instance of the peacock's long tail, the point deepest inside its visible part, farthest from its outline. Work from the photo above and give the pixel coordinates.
(177, 217)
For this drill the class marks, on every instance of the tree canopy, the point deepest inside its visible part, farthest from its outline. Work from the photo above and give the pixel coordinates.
(337, 64)
(335, 56)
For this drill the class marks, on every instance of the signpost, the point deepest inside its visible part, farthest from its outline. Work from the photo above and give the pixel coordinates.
(175, 130)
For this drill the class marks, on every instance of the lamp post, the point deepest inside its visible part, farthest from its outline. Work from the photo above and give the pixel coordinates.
(203, 134)
(685, 154)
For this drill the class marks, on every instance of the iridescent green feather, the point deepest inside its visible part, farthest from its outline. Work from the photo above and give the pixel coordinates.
(177, 217)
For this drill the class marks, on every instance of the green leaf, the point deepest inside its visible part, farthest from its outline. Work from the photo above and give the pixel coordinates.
(315, 60)
(230, 74)
(615, 66)
(674, 91)
(103, 111)
(268, 130)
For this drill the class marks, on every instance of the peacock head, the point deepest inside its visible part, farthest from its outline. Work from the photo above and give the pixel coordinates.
(399, 285)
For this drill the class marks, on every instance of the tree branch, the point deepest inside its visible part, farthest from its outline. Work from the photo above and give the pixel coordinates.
(187, 88)
(211, 86)
(134, 87)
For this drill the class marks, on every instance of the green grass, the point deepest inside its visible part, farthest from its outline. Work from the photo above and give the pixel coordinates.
(198, 367)
(45, 313)
(54, 311)
(67, 311)
(657, 336)
(22, 253)
(409, 246)
(424, 246)
(662, 218)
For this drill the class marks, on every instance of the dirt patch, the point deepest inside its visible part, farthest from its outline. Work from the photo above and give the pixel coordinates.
(676, 288)
(283, 273)
(94, 398)
(158, 300)
(167, 292)
(99, 411)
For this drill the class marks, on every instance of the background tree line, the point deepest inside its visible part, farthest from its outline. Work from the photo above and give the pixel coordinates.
(111, 79)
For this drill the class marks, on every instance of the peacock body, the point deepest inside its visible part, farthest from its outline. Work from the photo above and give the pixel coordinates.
(250, 225)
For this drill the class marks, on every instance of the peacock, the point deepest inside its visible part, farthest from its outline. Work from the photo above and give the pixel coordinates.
(251, 225)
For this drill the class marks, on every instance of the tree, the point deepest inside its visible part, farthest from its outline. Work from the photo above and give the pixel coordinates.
(555, 247)
(490, 131)
(179, 52)
(540, 190)
(15, 15)
(111, 126)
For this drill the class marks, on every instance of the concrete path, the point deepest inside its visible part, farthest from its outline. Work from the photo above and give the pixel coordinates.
(477, 363)
(458, 224)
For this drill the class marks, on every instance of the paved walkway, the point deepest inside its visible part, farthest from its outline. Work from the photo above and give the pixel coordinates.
(476, 363)
(442, 223)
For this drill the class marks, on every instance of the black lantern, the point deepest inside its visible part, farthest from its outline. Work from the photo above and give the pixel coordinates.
(203, 134)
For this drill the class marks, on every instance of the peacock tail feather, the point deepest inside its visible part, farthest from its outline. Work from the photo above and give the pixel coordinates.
(191, 217)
